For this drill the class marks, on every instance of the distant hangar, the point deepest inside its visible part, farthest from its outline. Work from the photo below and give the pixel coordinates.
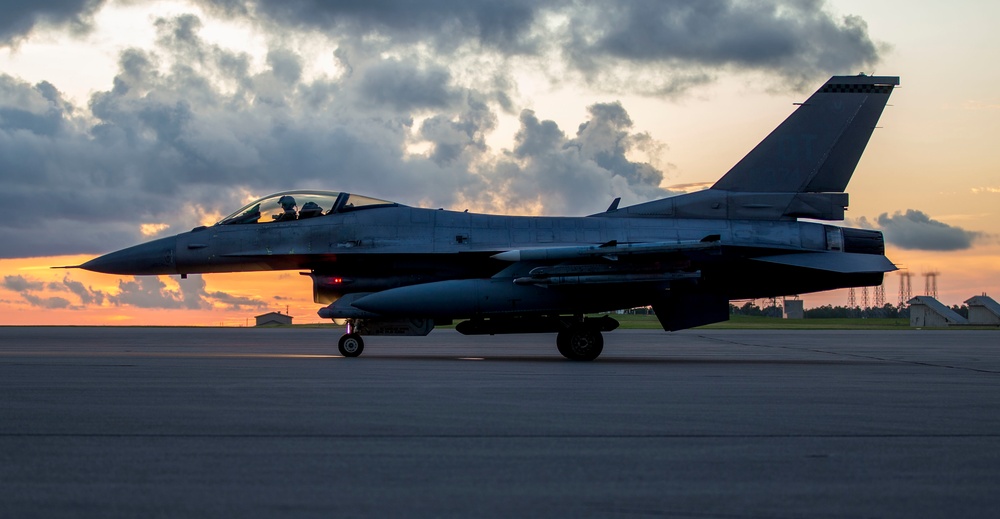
(925, 311)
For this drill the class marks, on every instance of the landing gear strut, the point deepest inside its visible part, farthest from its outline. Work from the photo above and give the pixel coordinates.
(580, 343)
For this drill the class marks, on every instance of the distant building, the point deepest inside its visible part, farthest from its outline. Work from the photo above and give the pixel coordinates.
(274, 319)
(794, 309)
(927, 311)
(983, 310)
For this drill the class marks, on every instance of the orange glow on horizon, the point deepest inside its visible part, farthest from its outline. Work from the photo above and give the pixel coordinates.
(43, 297)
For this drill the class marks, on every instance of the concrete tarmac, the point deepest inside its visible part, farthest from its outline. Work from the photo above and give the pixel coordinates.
(167, 422)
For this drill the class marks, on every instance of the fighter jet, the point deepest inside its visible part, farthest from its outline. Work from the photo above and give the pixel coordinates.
(384, 268)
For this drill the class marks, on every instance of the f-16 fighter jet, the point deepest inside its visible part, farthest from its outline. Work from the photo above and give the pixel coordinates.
(384, 268)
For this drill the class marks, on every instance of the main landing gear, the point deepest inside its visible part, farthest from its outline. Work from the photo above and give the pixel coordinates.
(580, 343)
(351, 344)
(578, 337)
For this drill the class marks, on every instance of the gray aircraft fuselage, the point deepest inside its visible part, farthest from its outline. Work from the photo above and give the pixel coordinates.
(387, 247)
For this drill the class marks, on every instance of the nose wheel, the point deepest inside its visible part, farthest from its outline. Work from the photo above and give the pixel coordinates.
(351, 345)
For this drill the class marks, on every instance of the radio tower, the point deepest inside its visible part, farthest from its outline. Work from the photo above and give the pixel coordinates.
(930, 284)
(880, 296)
(852, 300)
(905, 294)
(864, 299)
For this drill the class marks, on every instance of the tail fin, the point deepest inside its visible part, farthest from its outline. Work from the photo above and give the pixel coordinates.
(816, 149)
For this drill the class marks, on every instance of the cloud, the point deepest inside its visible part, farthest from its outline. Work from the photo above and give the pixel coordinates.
(679, 44)
(190, 128)
(48, 303)
(29, 288)
(406, 87)
(549, 172)
(796, 40)
(234, 302)
(21, 284)
(88, 296)
(21, 18)
(444, 24)
(152, 292)
(140, 292)
(915, 230)
(682, 41)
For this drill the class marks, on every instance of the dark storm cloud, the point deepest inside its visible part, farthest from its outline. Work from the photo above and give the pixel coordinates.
(915, 230)
(795, 38)
(684, 42)
(445, 23)
(407, 87)
(19, 18)
(651, 46)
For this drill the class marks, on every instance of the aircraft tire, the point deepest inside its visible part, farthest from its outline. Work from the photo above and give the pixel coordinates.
(580, 344)
(351, 345)
(562, 343)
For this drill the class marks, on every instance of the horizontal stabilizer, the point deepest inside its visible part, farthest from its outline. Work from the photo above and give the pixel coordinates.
(841, 262)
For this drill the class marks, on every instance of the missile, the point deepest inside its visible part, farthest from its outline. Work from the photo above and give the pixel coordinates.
(596, 279)
(609, 250)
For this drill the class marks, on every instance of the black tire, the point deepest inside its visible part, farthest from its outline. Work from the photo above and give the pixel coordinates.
(580, 344)
(562, 343)
(351, 345)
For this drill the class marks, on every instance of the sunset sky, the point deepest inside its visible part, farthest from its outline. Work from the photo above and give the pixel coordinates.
(122, 121)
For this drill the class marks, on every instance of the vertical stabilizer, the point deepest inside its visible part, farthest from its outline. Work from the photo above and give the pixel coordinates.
(817, 147)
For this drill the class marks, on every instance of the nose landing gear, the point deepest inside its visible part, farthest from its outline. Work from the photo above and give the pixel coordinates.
(351, 345)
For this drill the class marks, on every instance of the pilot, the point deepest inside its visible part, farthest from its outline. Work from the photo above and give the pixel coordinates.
(287, 204)
(309, 210)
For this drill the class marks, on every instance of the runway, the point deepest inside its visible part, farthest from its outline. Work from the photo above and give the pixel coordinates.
(168, 422)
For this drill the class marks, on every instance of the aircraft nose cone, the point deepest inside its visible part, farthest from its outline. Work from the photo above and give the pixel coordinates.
(155, 257)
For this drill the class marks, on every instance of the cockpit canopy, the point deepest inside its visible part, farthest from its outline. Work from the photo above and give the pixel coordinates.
(301, 205)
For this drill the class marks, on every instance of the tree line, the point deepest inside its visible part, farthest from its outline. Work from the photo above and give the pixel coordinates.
(834, 312)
